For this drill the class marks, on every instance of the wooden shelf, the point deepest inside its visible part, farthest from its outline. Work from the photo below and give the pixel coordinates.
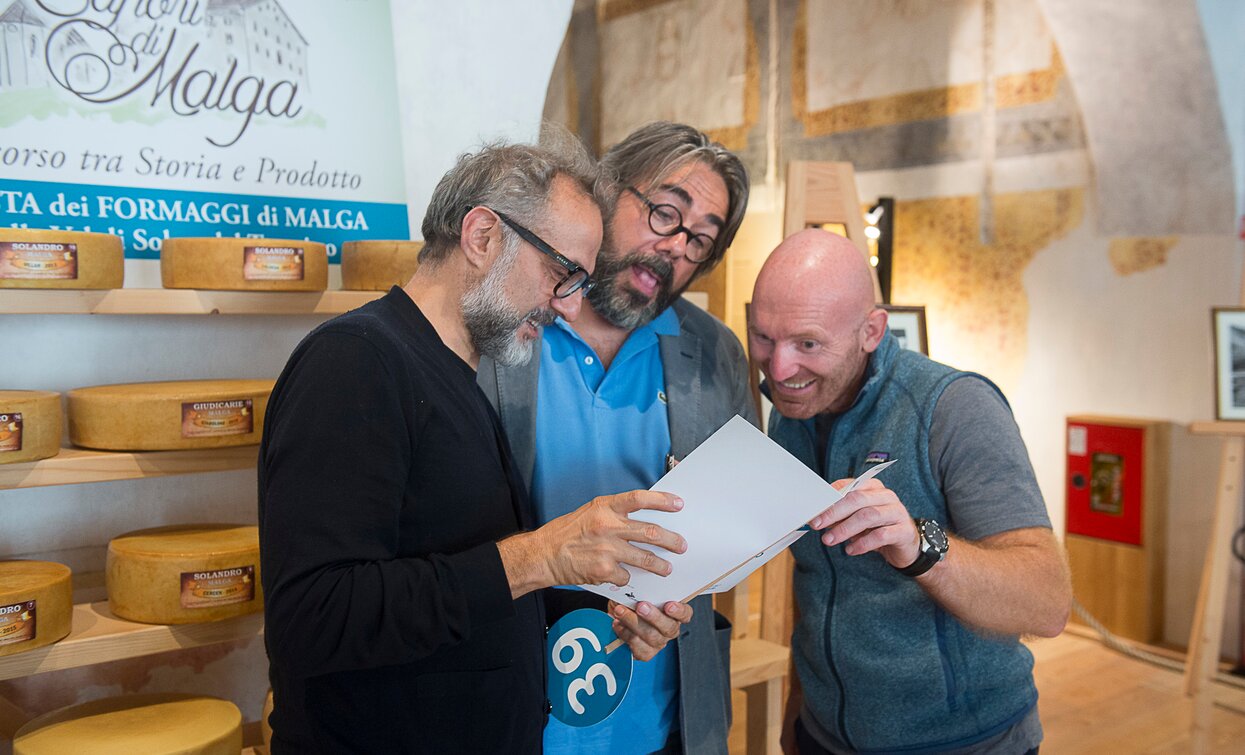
(161, 301)
(75, 465)
(97, 636)
(1214, 427)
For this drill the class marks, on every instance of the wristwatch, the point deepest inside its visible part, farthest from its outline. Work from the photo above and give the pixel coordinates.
(933, 547)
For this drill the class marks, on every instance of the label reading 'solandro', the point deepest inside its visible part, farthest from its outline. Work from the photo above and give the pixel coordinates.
(272, 263)
(205, 589)
(17, 623)
(208, 419)
(10, 432)
(38, 260)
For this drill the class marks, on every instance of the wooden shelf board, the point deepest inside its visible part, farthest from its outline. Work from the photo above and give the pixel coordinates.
(75, 465)
(1217, 428)
(754, 660)
(161, 301)
(97, 636)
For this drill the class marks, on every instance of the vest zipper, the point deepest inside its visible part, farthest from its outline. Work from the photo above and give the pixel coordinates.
(841, 713)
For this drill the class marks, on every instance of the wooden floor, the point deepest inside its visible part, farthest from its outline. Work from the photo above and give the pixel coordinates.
(1096, 700)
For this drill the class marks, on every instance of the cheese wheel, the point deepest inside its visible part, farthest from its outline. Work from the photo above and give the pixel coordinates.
(153, 724)
(36, 604)
(60, 259)
(30, 425)
(378, 265)
(168, 416)
(230, 264)
(184, 574)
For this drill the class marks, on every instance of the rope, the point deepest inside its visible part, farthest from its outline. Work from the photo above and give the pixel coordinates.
(1122, 646)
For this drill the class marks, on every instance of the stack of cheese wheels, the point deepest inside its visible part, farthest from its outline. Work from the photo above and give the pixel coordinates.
(30, 425)
(60, 259)
(229, 264)
(153, 724)
(168, 416)
(378, 265)
(184, 574)
(36, 604)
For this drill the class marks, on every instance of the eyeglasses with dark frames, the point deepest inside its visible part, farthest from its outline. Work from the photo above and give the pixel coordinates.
(667, 220)
(576, 278)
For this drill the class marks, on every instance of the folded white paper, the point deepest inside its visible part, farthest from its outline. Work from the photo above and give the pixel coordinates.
(745, 500)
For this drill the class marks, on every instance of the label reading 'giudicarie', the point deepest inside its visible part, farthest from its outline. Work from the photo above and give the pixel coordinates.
(208, 419)
(10, 432)
(17, 623)
(38, 260)
(206, 589)
(272, 263)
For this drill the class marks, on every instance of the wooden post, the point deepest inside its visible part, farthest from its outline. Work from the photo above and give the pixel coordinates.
(1207, 634)
(824, 194)
(764, 717)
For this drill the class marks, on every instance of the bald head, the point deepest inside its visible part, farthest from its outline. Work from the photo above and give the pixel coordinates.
(813, 323)
(818, 266)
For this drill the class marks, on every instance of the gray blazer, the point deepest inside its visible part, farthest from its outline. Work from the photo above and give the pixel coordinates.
(706, 384)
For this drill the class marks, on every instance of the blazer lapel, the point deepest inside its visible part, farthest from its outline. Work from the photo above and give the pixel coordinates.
(681, 357)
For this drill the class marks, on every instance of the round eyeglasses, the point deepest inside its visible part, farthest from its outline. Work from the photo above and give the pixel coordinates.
(666, 220)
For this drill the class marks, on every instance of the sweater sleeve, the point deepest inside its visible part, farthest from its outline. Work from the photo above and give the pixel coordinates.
(334, 464)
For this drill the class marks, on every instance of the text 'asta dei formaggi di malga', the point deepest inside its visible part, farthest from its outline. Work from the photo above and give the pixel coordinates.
(233, 213)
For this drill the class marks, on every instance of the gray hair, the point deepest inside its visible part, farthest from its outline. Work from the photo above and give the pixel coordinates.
(654, 151)
(512, 178)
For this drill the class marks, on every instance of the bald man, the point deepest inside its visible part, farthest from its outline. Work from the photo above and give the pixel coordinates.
(912, 600)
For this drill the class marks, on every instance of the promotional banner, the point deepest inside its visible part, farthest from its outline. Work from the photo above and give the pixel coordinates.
(157, 118)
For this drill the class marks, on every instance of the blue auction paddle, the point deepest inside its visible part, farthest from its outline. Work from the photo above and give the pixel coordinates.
(587, 681)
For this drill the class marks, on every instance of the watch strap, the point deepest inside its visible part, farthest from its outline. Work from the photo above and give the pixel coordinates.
(929, 553)
(925, 560)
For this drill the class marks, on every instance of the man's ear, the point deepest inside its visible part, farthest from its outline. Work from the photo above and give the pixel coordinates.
(873, 329)
(481, 237)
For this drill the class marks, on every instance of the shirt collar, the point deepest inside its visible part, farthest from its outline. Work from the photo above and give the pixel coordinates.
(664, 324)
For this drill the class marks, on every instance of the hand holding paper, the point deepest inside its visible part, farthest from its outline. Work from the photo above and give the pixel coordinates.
(648, 628)
(745, 498)
(870, 517)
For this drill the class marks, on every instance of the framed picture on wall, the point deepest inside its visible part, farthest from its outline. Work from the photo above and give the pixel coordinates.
(908, 326)
(1229, 326)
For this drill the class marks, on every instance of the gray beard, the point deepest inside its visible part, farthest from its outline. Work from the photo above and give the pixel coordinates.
(493, 324)
(621, 306)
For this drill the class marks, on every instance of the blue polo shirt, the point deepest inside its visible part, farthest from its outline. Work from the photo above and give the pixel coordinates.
(601, 432)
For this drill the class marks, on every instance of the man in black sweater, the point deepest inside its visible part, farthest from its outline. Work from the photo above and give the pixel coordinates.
(400, 566)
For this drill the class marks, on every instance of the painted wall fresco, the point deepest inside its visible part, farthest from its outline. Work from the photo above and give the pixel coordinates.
(909, 89)
(974, 292)
(1061, 172)
(682, 60)
(1163, 165)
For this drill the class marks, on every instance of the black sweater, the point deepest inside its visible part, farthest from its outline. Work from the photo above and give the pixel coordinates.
(384, 483)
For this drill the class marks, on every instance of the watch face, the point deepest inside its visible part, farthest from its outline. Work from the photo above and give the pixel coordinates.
(933, 534)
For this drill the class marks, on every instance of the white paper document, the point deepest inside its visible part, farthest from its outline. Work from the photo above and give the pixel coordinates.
(745, 500)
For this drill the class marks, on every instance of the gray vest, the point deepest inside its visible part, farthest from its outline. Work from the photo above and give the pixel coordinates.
(883, 667)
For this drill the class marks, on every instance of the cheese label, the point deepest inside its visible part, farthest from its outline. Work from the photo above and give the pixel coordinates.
(207, 419)
(10, 432)
(17, 623)
(272, 263)
(206, 589)
(38, 260)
